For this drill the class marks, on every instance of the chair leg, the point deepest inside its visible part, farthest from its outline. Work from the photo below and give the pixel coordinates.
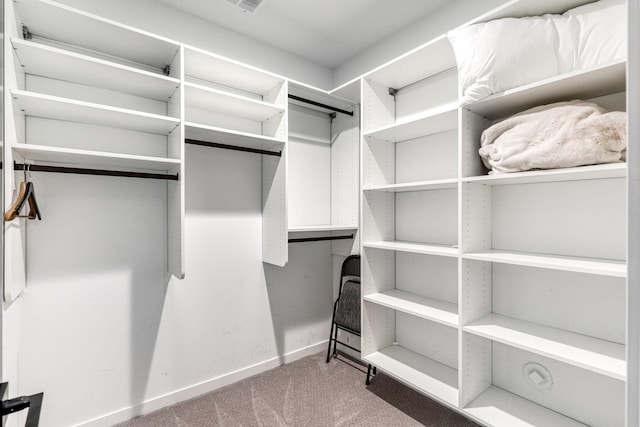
(330, 339)
(335, 341)
(368, 381)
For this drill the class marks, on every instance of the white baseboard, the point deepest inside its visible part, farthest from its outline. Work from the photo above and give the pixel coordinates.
(201, 388)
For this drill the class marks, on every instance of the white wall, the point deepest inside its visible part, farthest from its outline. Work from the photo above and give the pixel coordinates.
(452, 14)
(166, 21)
(103, 327)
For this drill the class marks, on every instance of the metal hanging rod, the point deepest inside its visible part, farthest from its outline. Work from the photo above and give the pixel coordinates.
(232, 147)
(394, 91)
(319, 104)
(320, 239)
(101, 172)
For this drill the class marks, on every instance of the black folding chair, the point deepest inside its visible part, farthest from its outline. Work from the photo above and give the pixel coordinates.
(346, 309)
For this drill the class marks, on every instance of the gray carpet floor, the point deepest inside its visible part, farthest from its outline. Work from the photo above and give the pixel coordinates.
(308, 392)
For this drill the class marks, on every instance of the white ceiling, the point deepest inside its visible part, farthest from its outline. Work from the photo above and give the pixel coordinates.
(326, 32)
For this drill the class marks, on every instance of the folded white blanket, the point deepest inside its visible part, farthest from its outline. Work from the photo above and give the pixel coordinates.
(560, 135)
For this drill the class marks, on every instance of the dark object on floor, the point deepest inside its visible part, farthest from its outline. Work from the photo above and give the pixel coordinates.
(32, 404)
(346, 309)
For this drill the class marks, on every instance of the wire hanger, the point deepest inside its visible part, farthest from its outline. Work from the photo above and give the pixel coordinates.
(26, 194)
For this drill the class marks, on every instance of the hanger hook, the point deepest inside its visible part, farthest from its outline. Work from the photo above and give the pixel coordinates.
(27, 171)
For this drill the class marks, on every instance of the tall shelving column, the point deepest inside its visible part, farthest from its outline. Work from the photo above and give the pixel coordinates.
(409, 219)
(543, 273)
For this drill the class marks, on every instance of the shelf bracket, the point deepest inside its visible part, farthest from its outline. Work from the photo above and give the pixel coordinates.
(26, 34)
(393, 92)
(167, 70)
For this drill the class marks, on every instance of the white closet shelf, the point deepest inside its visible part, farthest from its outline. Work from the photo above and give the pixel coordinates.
(429, 122)
(232, 137)
(498, 407)
(416, 248)
(206, 66)
(431, 58)
(438, 311)
(597, 266)
(426, 375)
(46, 154)
(42, 60)
(318, 228)
(605, 171)
(216, 100)
(581, 84)
(597, 355)
(349, 91)
(57, 108)
(440, 184)
(61, 23)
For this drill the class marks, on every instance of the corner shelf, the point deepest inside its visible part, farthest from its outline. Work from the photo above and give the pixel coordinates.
(416, 248)
(58, 108)
(442, 312)
(39, 153)
(42, 60)
(600, 356)
(602, 267)
(426, 375)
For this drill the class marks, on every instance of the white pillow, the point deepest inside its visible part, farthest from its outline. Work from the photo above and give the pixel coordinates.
(498, 55)
(600, 31)
(506, 53)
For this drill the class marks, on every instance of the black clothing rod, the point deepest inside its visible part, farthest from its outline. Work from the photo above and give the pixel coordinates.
(232, 147)
(318, 104)
(319, 239)
(101, 172)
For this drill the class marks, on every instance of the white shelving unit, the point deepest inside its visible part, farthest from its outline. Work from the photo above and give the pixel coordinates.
(92, 93)
(323, 167)
(522, 276)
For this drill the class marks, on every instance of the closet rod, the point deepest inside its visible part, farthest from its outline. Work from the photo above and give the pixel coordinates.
(232, 147)
(319, 239)
(101, 172)
(318, 104)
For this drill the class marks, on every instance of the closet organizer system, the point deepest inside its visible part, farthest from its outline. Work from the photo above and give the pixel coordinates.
(500, 296)
(93, 96)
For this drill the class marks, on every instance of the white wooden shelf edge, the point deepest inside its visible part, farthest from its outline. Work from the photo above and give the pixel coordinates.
(586, 83)
(230, 136)
(426, 375)
(602, 267)
(497, 407)
(604, 357)
(418, 248)
(441, 184)
(442, 312)
(41, 153)
(55, 107)
(435, 120)
(211, 99)
(604, 171)
(317, 228)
